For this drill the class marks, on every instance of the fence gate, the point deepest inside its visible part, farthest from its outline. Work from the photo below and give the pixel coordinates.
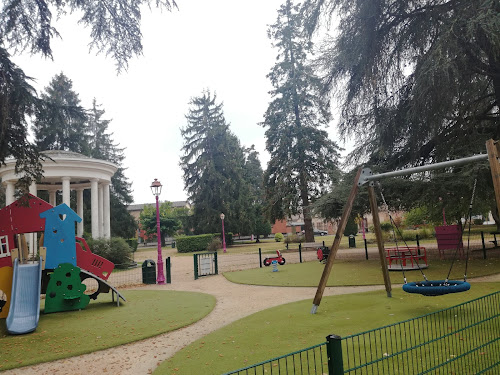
(205, 264)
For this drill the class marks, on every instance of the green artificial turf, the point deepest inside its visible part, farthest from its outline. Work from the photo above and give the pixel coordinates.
(365, 272)
(103, 325)
(283, 329)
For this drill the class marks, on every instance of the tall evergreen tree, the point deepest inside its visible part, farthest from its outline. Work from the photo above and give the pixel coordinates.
(102, 146)
(60, 122)
(27, 25)
(301, 153)
(253, 220)
(417, 80)
(212, 165)
(18, 104)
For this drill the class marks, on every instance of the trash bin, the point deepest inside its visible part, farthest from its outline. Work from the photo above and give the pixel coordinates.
(352, 241)
(149, 272)
(173, 244)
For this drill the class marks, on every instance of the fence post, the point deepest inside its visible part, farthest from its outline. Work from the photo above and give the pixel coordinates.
(418, 244)
(300, 253)
(260, 257)
(300, 247)
(195, 257)
(366, 249)
(334, 354)
(169, 274)
(216, 263)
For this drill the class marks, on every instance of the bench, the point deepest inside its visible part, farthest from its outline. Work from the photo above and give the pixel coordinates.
(406, 258)
(311, 245)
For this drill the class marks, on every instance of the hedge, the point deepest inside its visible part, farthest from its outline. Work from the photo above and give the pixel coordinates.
(191, 244)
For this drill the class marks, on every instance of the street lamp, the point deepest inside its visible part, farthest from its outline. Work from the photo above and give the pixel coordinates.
(222, 216)
(156, 190)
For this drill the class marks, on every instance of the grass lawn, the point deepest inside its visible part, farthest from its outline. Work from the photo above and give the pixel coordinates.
(103, 325)
(365, 272)
(287, 328)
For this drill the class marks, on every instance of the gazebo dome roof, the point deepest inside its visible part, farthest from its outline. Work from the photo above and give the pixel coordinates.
(63, 154)
(59, 164)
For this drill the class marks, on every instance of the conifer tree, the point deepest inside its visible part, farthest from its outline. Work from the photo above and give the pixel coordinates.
(418, 80)
(27, 26)
(301, 153)
(60, 122)
(212, 166)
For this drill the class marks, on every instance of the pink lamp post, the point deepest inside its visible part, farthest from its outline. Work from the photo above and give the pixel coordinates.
(156, 189)
(222, 216)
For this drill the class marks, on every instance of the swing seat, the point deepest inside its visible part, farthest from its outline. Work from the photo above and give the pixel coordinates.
(436, 287)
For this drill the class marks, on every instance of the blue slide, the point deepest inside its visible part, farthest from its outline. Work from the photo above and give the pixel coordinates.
(24, 309)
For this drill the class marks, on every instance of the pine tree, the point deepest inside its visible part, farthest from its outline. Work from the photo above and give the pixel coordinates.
(26, 25)
(212, 166)
(301, 153)
(102, 146)
(18, 103)
(417, 80)
(60, 123)
(252, 194)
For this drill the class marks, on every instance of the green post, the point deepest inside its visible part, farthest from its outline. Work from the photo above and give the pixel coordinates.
(260, 257)
(216, 263)
(300, 253)
(169, 274)
(195, 257)
(334, 354)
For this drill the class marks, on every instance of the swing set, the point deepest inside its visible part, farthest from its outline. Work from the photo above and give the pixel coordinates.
(426, 287)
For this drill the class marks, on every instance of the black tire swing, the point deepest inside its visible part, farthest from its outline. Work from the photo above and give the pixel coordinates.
(432, 288)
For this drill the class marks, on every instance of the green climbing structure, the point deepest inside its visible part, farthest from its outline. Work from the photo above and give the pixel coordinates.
(65, 290)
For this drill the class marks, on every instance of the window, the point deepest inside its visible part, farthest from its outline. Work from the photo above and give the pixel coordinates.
(4, 247)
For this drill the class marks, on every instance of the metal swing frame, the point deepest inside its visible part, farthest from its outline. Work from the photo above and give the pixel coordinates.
(366, 177)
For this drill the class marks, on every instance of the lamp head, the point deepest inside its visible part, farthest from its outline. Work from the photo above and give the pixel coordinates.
(156, 188)
(222, 216)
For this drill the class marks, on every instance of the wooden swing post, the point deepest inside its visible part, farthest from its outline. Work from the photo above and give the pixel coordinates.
(493, 157)
(336, 244)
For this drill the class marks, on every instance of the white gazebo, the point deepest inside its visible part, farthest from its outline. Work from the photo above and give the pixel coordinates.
(65, 171)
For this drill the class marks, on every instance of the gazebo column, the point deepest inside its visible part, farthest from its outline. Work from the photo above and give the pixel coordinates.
(9, 192)
(66, 190)
(52, 197)
(79, 211)
(94, 207)
(101, 212)
(106, 206)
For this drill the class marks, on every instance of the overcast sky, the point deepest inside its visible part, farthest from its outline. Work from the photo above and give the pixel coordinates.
(221, 45)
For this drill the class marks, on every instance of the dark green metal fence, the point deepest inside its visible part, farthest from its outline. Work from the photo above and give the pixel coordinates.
(311, 361)
(463, 339)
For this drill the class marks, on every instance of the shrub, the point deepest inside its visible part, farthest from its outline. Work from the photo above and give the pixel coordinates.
(229, 237)
(114, 249)
(191, 244)
(386, 226)
(351, 227)
(294, 238)
(478, 221)
(215, 244)
(278, 237)
(132, 242)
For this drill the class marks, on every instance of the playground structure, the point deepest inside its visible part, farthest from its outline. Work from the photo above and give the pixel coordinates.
(366, 177)
(57, 269)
